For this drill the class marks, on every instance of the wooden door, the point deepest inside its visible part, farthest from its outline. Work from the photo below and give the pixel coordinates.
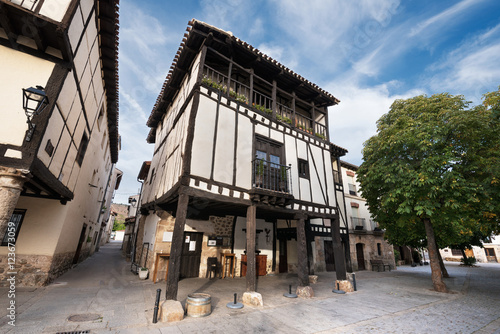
(191, 254)
(360, 256)
(269, 167)
(329, 258)
(490, 254)
(80, 244)
(283, 267)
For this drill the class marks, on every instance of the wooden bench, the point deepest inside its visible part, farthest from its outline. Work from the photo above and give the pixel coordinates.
(379, 264)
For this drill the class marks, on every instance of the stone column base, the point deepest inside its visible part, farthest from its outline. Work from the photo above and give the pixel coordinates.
(313, 279)
(171, 310)
(252, 299)
(344, 285)
(305, 292)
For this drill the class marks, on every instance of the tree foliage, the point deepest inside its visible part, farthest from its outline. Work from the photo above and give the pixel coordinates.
(434, 159)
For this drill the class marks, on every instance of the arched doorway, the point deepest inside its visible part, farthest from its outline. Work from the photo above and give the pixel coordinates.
(360, 256)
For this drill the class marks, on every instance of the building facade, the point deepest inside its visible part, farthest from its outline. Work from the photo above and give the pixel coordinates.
(366, 239)
(241, 165)
(490, 252)
(59, 136)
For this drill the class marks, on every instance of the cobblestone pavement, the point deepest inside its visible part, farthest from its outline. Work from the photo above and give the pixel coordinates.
(400, 301)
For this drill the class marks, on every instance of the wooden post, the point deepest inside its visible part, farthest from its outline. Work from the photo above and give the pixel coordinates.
(250, 98)
(273, 96)
(251, 231)
(338, 253)
(303, 271)
(309, 241)
(174, 264)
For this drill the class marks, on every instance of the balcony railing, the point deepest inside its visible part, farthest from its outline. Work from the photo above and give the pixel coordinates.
(263, 103)
(271, 176)
(358, 223)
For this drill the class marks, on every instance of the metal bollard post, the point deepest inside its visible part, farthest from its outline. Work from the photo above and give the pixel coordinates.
(354, 281)
(157, 305)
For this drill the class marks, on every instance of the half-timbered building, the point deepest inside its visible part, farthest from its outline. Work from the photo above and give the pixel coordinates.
(242, 165)
(58, 135)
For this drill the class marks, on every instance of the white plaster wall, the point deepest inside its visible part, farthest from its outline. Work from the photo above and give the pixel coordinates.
(54, 9)
(224, 150)
(34, 71)
(201, 160)
(329, 178)
(316, 174)
(150, 229)
(240, 238)
(41, 226)
(291, 158)
(244, 153)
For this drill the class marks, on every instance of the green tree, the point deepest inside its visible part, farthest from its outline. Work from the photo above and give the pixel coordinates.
(119, 223)
(430, 173)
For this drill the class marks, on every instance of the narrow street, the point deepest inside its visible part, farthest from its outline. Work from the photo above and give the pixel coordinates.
(104, 296)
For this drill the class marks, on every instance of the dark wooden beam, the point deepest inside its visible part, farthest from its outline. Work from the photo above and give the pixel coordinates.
(303, 272)
(251, 232)
(7, 26)
(309, 241)
(338, 253)
(174, 263)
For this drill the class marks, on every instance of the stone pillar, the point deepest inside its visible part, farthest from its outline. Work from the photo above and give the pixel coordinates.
(11, 185)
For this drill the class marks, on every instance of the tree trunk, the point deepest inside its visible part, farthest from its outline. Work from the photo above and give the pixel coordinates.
(437, 279)
(441, 264)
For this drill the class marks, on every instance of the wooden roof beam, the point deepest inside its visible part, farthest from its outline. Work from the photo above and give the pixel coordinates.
(7, 26)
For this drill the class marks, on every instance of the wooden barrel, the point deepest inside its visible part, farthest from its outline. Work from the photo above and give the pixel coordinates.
(198, 305)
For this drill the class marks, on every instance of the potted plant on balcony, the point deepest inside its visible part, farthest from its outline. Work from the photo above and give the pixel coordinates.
(259, 172)
(143, 273)
(283, 179)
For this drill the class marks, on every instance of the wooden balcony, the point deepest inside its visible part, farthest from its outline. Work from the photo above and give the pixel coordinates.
(258, 98)
(271, 183)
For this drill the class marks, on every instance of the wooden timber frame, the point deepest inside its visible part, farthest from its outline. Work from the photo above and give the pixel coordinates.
(185, 201)
(186, 205)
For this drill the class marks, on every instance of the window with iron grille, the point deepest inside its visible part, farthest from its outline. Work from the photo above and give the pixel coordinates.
(456, 252)
(13, 230)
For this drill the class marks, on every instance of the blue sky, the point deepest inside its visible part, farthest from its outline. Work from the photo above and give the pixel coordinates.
(367, 53)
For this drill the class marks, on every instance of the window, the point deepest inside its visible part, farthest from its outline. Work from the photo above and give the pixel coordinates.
(303, 169)
(82, 149)
(13, 227)
(49, 148)
(352, 189)
(489, 251)
(456, 252)
(379, 249)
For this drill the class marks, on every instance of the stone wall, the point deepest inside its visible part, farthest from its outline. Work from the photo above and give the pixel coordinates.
(36, 270)
(370, 250)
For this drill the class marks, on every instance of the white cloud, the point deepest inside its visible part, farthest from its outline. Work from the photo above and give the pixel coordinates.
(353, 121)
(435, 23)
(471, 69)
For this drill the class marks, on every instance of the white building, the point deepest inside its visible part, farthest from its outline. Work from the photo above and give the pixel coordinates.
(366, 239)
(56, 169)
(242, 161)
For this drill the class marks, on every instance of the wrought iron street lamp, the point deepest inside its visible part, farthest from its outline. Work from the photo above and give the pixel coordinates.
(34, 102)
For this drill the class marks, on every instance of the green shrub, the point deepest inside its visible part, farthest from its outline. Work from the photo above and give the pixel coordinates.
(468, 261)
